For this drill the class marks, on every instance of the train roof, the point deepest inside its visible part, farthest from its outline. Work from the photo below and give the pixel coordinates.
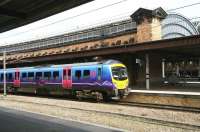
(105, 62)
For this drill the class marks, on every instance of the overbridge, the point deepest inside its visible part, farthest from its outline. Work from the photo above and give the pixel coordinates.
(184, 46)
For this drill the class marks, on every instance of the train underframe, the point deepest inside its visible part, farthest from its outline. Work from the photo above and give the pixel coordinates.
(79, 93)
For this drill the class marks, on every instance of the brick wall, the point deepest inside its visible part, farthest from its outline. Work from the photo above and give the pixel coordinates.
(149, 30)
(156, 29)
(144, 31)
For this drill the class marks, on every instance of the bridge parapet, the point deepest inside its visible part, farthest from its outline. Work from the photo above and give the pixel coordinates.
(101, 32)
(123, 39)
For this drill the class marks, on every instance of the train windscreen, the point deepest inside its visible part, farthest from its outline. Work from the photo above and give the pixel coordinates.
(119, 73)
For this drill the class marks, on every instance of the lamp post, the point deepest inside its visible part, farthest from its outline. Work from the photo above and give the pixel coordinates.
(4, 73)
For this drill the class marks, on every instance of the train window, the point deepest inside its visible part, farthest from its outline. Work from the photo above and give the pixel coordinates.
(17, 75)
(78, 74)
(10, 77)
(24, 75)
(38, 75)
(99, 73)
(47, 75)
(64, 74)
(1, 76)
(30, 75)
(55, 75)
(6, 76)
(68, 74)
(86, 73)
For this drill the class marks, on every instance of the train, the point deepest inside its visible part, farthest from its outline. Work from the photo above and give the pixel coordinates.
(102, 80)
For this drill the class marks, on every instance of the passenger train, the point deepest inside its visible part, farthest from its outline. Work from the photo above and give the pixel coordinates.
(101, 79)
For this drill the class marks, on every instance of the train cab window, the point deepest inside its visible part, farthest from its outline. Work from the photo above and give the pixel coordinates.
(55, 75)
(119, 73)
(38, 75)
(86, 74)
(78, 74)
(30, 75)
(99, 73)
(24, 76)
(47, 75)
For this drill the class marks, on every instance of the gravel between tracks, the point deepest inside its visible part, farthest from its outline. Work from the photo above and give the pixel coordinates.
(71, 110)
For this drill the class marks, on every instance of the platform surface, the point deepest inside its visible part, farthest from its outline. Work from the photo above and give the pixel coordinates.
(166, 92)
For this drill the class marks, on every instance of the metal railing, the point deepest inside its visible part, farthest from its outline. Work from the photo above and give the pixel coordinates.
(98, 32)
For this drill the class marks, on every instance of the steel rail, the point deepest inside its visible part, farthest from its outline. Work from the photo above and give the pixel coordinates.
(157, 106)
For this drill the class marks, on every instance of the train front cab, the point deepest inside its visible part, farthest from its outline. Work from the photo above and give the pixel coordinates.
(120, 79)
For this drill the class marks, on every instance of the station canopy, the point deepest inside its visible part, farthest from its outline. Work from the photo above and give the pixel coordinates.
(16, 13)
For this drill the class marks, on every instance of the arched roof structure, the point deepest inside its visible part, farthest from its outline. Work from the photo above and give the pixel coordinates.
(176, 25)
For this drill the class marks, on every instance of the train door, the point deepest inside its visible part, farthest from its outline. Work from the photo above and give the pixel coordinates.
(99, 73)
(67, 78)
(17, 79)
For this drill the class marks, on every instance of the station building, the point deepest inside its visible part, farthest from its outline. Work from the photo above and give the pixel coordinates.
(146, 43)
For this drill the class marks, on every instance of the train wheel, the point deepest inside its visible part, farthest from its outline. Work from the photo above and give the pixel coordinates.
(99, 96)
(15, 91)
(12, 90)
(121, 94)
(106, 98)
(79, 95)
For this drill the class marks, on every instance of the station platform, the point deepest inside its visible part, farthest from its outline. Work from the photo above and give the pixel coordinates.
(164, 97)
(166, 92)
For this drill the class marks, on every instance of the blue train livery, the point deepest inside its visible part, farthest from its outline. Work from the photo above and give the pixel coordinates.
(102, 79)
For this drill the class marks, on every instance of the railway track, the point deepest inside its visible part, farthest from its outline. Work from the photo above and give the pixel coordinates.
(157, 106)
(124, 103)
(171, 124)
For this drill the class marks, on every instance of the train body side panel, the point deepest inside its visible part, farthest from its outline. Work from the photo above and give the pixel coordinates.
(84, 77)
(94, 77)
(106, 78)
(41, 79)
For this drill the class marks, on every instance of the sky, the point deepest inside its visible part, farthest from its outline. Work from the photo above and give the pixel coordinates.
(92, 14)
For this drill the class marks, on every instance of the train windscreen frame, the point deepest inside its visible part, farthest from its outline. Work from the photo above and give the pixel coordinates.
(119, 73)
